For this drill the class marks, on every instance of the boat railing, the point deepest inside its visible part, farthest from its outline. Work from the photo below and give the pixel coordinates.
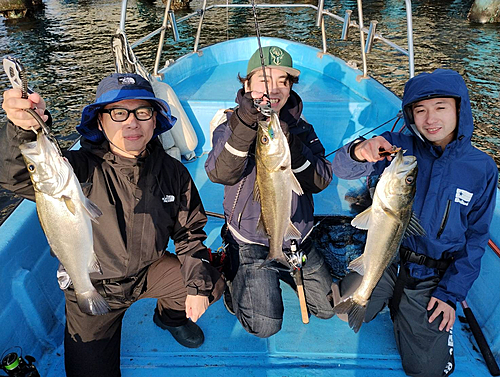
(366, 44)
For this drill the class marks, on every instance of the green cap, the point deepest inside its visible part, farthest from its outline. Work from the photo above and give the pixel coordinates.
(274, 57)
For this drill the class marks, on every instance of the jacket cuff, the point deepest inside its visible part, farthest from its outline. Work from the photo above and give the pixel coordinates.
(352, 148)
(447, 298)
(242, 136)
(194, 291)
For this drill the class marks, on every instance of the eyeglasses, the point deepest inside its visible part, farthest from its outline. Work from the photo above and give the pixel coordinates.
(121, 115)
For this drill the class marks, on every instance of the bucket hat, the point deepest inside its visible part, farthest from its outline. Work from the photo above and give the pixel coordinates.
(274, 57)
(118, 87)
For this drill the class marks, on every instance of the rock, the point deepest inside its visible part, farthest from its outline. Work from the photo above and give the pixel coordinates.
(178, 4)
(12, 9)
(485, 11)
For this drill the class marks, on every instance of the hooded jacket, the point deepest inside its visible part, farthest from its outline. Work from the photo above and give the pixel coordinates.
(144, 201)
(232, 163)
(456, 187)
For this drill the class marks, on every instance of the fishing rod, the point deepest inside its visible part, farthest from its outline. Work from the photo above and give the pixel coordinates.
(264, 109)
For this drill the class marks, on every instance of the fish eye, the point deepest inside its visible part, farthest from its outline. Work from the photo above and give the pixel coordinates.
(31, 167)
(410, 179)
(264, 139)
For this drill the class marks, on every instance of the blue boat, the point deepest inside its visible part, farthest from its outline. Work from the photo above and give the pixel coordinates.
(342, 102)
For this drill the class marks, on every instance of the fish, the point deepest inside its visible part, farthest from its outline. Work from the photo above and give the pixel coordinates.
(388, 220)
(65, 215)
(273, 188)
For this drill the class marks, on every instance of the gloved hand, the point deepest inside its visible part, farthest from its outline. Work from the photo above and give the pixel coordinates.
(248, 113)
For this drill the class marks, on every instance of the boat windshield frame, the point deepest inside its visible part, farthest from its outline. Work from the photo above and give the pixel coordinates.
(170, 22)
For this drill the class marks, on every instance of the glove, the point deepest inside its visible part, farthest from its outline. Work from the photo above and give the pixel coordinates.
(248, 113)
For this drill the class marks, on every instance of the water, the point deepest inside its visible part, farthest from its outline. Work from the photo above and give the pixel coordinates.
(65, 46)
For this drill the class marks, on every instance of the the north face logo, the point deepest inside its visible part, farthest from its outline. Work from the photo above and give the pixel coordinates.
(463, 197)
(168, 199)
(126, 80)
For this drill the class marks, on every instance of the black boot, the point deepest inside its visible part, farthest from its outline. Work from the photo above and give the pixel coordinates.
(188, 335)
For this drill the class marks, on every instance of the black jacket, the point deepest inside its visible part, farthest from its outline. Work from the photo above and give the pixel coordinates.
(144, 202)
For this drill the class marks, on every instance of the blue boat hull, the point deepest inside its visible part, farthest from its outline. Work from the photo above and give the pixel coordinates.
(341, 106)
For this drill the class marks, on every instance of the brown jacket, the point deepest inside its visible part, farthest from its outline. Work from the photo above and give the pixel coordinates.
(144, 202)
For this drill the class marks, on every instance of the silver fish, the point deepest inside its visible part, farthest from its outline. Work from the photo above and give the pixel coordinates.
(274, 184)
(387, 221)
(65, 215)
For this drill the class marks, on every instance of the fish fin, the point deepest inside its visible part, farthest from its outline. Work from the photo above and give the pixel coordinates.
(85, 185)
(354, 311)
(414, 228)
(296, 185)
(362, 220)
(261, 228)
(92, 210)
(256, 192)
(292, 233)
(269, 261)
(70, 205)
(92, 303)
(94, 265)
(358, 265)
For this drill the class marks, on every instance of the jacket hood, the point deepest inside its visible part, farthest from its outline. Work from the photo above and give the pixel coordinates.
(290, 113)
(440, 83)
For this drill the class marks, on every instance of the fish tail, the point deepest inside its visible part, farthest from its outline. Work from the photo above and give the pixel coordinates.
(354, 311)
(279, 259)
(92, 303)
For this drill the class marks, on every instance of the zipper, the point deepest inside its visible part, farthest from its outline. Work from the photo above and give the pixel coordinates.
(445, 219)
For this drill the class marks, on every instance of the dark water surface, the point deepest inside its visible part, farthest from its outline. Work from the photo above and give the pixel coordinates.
(65, 46)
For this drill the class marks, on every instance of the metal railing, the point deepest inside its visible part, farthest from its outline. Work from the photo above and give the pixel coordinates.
(169, 22)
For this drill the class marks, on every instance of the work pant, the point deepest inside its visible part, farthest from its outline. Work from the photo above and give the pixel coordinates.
(425, 351)
(256, 292)
(92, 343)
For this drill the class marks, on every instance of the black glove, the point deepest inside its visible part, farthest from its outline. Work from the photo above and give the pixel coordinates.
(248, 113)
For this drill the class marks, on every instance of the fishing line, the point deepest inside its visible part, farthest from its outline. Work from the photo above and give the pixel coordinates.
(262, 62)
(400, 115)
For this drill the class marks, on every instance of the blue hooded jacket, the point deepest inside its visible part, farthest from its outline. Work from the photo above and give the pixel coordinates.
(456, 187)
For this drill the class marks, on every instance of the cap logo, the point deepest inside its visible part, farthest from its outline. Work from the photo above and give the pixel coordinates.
(276, 55)
(126, 80)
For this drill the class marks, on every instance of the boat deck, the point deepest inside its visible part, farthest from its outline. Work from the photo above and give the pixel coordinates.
(320, 348)
(336, 103)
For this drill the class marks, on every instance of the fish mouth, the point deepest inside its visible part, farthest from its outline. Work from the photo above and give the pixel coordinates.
(402, 164)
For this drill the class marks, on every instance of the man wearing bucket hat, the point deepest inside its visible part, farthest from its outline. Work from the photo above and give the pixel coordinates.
(146, 197)
(254, 294)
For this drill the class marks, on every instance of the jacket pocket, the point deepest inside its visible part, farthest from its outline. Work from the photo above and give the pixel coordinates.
(444, 220)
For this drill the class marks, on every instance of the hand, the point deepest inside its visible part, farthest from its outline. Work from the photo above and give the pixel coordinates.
(247, 111)
(14, 106)
(442, 307)
(196, 306)
(368, 150)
